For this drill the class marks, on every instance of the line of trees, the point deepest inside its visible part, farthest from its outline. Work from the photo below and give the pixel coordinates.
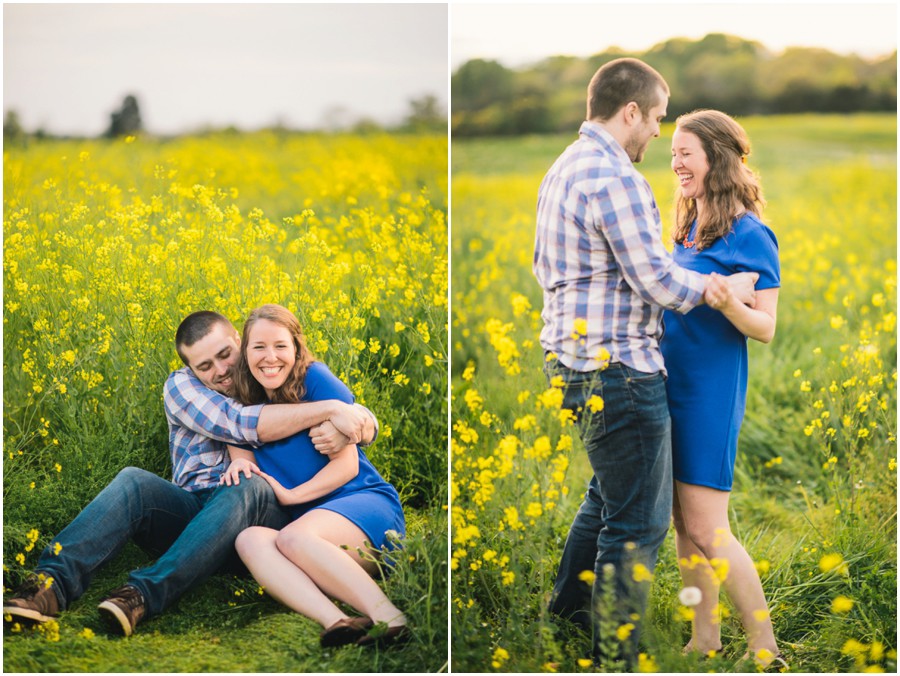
(718, 71)
(426, 114)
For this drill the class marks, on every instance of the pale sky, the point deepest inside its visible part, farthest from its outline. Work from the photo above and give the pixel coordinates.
(517, 34)
(66, 67)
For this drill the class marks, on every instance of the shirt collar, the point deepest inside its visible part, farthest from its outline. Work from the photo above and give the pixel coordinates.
(595, 132)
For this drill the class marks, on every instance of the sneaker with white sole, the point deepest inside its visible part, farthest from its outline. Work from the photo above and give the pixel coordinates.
(34, 601)
(123, 609)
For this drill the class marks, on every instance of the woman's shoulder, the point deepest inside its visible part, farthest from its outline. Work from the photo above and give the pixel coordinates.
(750, 225)
(321, 383)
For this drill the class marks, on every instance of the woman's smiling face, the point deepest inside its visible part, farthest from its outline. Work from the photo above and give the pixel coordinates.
(689, 163)
(270, 354)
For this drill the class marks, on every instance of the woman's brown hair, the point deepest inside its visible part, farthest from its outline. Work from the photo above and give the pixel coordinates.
(730, 187)
(247, 388)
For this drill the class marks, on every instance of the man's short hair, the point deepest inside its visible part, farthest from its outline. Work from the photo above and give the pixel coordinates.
(619, 82)
(194, 327)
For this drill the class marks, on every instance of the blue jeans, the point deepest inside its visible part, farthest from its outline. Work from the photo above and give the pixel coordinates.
(627, 508)
(192, 533)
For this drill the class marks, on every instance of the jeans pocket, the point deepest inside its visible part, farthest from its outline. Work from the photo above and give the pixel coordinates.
(648, 394)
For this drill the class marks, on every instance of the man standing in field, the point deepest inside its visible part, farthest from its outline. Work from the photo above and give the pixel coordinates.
(606, 278)
(192, 521)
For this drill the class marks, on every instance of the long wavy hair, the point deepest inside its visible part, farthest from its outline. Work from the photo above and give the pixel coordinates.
(730, 186)
(247, 388)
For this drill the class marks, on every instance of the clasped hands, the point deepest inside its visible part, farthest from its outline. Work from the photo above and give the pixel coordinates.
(721, 291)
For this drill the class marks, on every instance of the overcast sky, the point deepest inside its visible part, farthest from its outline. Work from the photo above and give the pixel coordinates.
(66, 67)
(516, 34)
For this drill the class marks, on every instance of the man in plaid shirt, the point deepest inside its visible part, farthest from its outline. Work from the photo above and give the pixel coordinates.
(191, 522)
(606, 278)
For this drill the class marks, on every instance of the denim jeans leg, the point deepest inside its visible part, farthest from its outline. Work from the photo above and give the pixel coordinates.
(572, 595)
(628, 504)
(136, 504)
(207, 543)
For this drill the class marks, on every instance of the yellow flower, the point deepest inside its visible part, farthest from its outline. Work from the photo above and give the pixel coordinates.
(841, 605)
(583, 663)
(624, 631)
(720, 568)
(646, 664)
(640, 573)
(595, 403)
(587, 576)
(507, 577)
(580, 326)
(831, 562)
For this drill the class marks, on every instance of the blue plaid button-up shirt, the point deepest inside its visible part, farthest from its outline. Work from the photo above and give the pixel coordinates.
(201, 423)
(599, 257)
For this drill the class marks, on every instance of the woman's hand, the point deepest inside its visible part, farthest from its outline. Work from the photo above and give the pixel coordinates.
(232, 475)
(327, 438)
(282, 494)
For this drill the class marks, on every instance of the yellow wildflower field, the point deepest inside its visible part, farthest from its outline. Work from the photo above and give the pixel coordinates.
(109, 244)
(816, 469)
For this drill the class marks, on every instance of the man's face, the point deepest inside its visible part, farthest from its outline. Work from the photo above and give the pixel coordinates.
(646, 129)
(212, 358)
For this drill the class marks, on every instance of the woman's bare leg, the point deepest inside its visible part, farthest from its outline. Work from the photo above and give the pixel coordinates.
(315, 543)
(282, 579)
(705, 517)
(696, 572)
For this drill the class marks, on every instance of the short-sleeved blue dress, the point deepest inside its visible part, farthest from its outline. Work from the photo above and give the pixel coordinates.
(706, 358)
(367, 500)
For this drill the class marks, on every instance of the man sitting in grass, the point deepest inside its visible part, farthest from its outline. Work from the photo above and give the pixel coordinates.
(191, 523)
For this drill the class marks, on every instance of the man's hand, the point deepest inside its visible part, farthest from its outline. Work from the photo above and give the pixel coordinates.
(350, 420)
(327, 438)
(719, 294)
(232, 475)
(742, 285)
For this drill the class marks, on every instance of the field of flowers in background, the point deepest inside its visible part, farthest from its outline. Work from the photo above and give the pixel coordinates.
(107, 245)
(815, 493)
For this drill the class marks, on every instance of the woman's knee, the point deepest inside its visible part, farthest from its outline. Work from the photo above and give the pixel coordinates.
(708, 538)
(252, 540)
(294, 542)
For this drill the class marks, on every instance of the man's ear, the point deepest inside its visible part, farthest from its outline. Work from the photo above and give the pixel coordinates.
(632, 113)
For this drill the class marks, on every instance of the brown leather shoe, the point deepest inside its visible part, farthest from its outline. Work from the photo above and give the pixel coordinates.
(383, 635)
(123, 609)
(34, 601)
(345, 631)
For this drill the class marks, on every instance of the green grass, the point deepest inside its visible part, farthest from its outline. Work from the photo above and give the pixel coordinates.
(226, 626)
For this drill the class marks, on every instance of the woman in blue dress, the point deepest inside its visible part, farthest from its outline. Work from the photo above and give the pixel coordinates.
(717, 231)
(344, 511)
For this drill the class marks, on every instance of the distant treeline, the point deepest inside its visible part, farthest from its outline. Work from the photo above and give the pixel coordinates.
(718, 71)
(425, 115)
